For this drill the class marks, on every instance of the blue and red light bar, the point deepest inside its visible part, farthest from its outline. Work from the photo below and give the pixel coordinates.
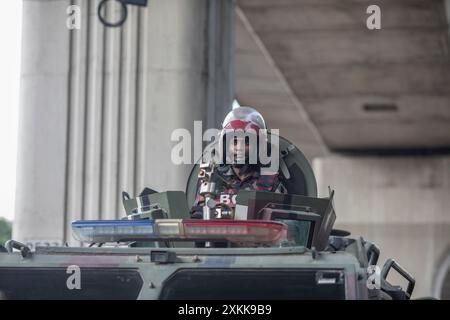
(237, 231)
(112, 230)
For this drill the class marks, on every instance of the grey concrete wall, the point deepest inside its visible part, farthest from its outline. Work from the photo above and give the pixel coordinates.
(42, 125)
(98, 105)
(335, 65)
(447, 11)
(400, 203)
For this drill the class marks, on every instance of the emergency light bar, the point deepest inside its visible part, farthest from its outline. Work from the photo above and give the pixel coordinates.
(238, 231)
(112, 230)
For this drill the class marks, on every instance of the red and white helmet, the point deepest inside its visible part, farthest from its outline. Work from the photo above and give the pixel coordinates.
(245, 120)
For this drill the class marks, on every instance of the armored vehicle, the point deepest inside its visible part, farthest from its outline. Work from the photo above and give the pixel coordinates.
(274, 246)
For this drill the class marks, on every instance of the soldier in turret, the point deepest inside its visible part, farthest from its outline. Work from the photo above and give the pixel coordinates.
(241, 169)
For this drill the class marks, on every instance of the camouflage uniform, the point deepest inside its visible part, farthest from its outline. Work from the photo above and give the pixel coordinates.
(228, 184)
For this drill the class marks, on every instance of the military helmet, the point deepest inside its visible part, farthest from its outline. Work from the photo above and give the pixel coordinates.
(246, 121)
(244, 118)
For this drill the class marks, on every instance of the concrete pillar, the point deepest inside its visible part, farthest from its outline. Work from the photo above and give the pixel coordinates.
(40, 201)
(99, 105)
(400, 203)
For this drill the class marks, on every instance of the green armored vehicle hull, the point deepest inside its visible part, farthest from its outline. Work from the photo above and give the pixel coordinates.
(281, 247)
(190, 273)
(212, 273)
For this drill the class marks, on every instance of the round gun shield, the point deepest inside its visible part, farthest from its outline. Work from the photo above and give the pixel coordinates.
(294, 167)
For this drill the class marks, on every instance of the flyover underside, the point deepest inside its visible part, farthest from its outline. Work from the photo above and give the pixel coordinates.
(363, 89)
